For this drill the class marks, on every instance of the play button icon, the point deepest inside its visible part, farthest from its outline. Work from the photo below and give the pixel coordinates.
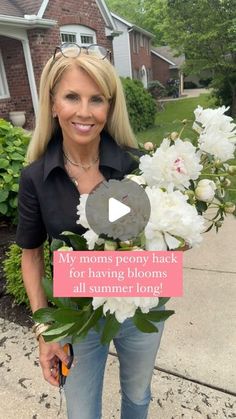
(117, 210)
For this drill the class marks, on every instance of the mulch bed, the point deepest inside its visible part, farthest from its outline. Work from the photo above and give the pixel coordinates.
(8, 309)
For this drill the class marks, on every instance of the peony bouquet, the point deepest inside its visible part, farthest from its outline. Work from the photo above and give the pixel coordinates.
(189, 190)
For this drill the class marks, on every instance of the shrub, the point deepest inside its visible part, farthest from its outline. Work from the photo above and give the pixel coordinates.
(141, 106)
(156, 89)
(12, 272)
(13, 144)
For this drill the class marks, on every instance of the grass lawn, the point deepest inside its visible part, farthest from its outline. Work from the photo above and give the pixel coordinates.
(170, 119)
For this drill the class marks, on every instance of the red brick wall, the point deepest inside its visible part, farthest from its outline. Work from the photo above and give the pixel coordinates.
(14, 63)
(42, 45)
(160, 69)
(141, 56)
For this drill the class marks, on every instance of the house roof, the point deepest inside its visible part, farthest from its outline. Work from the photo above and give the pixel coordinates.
(168, 55)
(9, 8)
(131, 26)
(21, 8)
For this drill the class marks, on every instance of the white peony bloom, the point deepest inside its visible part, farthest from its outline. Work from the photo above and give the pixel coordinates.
(171, 216)
(81, 211)
(173, 164)
(216, 119)
(218, 134)
(217, 144)
(124, 307)
(92, 239)
(205, 190)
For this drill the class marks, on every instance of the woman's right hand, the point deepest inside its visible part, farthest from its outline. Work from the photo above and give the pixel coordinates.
(49, 353)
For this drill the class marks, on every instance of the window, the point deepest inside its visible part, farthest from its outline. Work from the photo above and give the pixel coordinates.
(135, 42)
(82, 35)
(4, 92)
(68, 37)
(141, 40)
(86, 39)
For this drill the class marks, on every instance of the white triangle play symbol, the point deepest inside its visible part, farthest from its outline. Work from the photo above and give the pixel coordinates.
(116, 209)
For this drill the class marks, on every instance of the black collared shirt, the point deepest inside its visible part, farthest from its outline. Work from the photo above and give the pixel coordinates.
(48, 199)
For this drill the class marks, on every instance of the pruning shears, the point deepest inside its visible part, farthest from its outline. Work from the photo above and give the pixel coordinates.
(64, 370)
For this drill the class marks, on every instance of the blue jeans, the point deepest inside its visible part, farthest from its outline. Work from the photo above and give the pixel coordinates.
(136, 352)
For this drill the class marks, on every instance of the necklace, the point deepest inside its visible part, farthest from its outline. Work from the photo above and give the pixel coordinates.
(83, 166)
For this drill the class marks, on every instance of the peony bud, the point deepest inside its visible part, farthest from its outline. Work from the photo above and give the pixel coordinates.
(185, 121)
(126, 243)
(174, 135)
(232, 170)
(229, 207)
(110, 245)
(218, 163)
(65, 249)
(218, 223)
(148, 146)
(205, 190)
(226, 183)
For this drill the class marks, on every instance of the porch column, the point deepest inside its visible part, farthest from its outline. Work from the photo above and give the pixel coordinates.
(30, 73)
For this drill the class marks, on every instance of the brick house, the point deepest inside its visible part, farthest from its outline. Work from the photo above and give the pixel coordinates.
(29, 32)
(132, 51)
(166, 66)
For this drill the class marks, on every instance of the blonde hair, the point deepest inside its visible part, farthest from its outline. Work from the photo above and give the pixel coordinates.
(105, 76)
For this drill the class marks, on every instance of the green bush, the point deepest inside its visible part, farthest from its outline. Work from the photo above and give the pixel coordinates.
(156, 89)
(141, 106)
(13, 145)
(12, 272)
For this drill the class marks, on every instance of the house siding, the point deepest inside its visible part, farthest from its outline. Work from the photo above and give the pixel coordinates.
(121, 47)
(160, 69)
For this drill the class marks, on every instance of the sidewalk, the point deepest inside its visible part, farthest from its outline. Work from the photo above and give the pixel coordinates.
(195, 374)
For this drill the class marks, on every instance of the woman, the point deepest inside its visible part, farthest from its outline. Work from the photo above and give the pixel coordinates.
(81, 138)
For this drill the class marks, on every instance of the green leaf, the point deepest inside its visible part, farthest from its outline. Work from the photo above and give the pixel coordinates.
(44, 315)
(110, 329)
(57, 330)
(4, 195)
(162, 301)
(48, 287)
(6, 177)
(3, 208)
(56, 244)
(17, 156)
(158, 316)
(67, 315)
(4, 163)
(15, 187)
(77, 242)
(144, 325)
(82, 301)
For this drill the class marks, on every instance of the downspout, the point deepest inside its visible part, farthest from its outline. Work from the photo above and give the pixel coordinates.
(30, 73)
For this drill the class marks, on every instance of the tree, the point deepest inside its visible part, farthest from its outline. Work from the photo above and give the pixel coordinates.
(145, 13)
(205, 31)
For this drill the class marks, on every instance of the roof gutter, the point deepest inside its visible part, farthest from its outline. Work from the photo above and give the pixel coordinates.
(27, 22)
(143, 31)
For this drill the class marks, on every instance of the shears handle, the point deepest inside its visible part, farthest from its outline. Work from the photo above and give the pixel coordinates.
(63, 369)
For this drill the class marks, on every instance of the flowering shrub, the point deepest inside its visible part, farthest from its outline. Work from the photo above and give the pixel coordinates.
(182, 182)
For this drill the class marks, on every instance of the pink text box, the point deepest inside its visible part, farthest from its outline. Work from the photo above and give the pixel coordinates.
(118, 274)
